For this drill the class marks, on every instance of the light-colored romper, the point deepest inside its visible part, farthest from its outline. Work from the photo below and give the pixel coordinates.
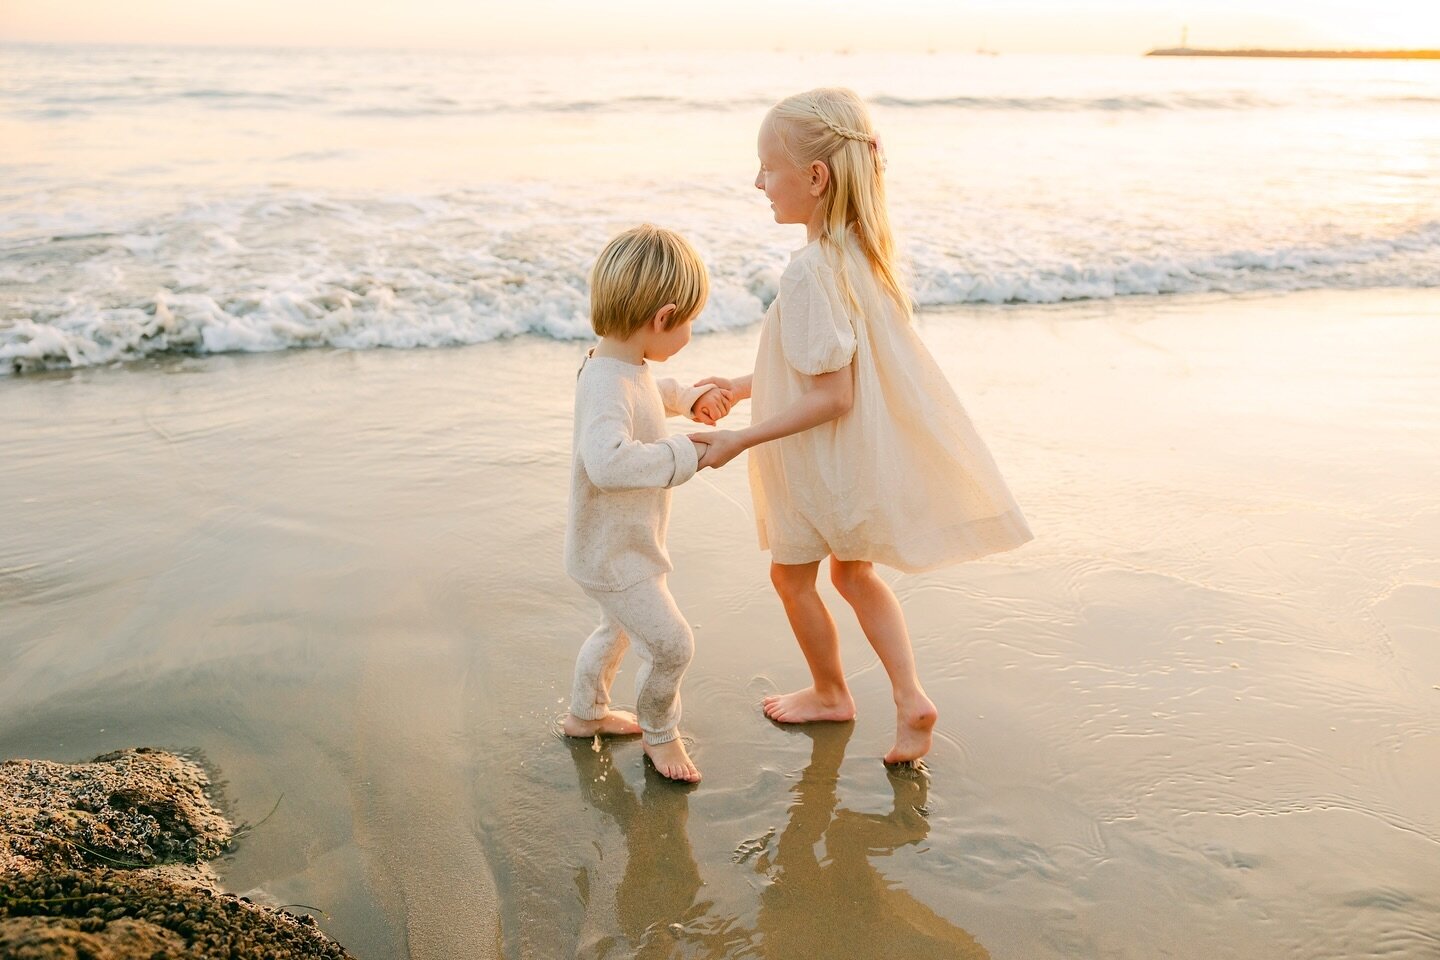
(903, 478)
(623, 463)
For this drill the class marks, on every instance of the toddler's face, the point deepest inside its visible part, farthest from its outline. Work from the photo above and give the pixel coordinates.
(664, 344)
(791, 190)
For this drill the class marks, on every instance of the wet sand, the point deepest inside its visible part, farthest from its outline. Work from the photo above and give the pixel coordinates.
(1199, 716)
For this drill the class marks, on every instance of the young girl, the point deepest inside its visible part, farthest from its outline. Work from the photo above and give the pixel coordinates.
(862, 452)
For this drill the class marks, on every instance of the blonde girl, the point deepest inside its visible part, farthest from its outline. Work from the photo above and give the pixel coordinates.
(862, 452)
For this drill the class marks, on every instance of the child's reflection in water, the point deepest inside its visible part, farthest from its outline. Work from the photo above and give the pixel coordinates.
(825, 899)
(661, 881)
(835, 903)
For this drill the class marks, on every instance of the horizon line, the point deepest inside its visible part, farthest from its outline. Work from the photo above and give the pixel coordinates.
(977, 50)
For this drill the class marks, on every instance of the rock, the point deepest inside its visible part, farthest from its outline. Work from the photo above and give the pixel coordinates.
(105, 861)
(39, 938)
(133, 808)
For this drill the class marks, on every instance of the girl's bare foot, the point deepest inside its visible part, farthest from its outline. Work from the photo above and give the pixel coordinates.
(808, 706)
(914, 726)
(672, 761)
(615, 723)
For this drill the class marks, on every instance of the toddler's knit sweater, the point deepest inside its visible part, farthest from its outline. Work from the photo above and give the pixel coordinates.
(623, 463)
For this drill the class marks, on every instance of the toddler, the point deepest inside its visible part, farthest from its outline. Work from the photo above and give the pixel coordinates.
(647, 287)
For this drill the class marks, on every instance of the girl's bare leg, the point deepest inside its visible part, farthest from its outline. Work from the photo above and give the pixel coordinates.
(884, 624)
(828, 697)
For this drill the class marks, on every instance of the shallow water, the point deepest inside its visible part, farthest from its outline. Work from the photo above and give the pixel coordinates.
(1198, 716)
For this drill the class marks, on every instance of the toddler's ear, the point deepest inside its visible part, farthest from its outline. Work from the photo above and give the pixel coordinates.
(662, 317)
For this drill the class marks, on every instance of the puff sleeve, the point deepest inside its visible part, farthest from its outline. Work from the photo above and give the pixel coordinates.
(815, 329)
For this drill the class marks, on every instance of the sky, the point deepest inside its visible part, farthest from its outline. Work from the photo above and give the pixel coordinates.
(1011, 26)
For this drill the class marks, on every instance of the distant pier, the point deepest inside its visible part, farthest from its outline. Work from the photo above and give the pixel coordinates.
(1299, 54)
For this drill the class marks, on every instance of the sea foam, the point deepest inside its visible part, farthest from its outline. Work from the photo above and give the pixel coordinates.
(275, 271)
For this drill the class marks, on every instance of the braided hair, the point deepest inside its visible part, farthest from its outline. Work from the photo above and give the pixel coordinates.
(831, 125)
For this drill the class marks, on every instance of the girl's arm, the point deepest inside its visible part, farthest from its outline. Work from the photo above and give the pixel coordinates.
(739, 387)
(831, 396)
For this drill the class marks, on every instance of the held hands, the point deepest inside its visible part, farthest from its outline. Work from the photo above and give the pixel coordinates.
(721, 446)
(717, 448)
(713, 405)
(738, 388)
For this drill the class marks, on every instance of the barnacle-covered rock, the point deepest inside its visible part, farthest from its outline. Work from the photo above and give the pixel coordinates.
(106, 860)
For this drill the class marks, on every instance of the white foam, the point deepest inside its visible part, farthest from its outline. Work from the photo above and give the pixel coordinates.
(1409, 259)
(276, 270)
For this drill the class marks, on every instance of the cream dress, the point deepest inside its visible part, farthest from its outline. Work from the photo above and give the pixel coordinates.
(903, 478)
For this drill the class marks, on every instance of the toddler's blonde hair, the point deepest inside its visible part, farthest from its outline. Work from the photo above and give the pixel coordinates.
(831, 124)
(640, 271)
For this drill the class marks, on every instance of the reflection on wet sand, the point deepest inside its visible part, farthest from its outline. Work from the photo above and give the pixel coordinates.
(820, 905)
(838, 904)
(656, 894)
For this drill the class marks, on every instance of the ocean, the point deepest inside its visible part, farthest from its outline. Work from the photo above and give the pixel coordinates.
(197, 201)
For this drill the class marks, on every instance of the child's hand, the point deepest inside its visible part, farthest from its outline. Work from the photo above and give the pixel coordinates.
(712, 405)
(723, 446)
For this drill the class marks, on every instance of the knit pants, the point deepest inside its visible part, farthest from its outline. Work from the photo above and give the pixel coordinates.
(646, 615)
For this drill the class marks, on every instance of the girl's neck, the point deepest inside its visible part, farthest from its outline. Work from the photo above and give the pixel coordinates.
(815, 226)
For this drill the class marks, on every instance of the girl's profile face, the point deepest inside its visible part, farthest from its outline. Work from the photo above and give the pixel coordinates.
(793, 191)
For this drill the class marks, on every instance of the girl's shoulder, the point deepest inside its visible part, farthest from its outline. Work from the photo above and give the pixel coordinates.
(818, 265)
(812, 263)
(823, 254)
(826, 255)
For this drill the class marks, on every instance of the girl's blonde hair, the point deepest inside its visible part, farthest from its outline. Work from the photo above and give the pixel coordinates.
(832, 125)
(640, 271)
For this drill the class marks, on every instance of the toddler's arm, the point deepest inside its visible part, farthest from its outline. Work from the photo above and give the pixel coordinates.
(615, 460)
(704, 404)
(679, 401)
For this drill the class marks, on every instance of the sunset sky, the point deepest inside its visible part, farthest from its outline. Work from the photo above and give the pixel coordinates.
(1114, 26)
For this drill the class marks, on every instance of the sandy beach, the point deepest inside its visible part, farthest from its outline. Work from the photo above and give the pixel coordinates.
(1199, 716)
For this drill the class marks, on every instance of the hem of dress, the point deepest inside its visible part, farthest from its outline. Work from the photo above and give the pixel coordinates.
(1020, 535)
(774, 558)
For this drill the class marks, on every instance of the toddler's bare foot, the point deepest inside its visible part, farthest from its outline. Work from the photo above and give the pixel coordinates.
(615, 723)
(807, 706)
(672, 761)
(914, 726)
